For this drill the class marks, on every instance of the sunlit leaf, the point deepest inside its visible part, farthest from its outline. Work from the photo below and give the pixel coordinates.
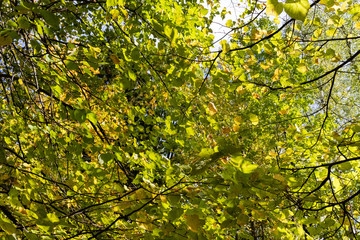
(274, 7)
(254, 119)
(212, 108)
(297, 9)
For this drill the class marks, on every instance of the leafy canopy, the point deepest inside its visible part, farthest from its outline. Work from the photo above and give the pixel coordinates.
(130, 120)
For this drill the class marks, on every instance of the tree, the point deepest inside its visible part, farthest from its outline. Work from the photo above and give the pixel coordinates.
(119, 120)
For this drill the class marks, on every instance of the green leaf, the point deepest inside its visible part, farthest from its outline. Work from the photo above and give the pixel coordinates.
(5, 39)
(57, 90)
(91, 117)
(248, 167)
(274, 7)
(297, 9)
(71, 65)
(105, 157)
(31, 236)
(80, 115)
(23, 22)
(356, 128)
(36, 45)
(8, 226)
(2, 151)
(175, 213)
(204, 11)
(50, 18)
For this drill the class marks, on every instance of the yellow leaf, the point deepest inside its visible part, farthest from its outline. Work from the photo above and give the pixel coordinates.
(256, 95)
(273, 154)
(212, 108)
(240, 90)
(5, 40)
(193, 222)
(254, 119)
(302, 68)
(52, 217)
(265, 67)
(238, 120)
(284, 111)
(357, 25)
(276, 75)
(337, 58)
(280, 178)
(115, 59)
(190, 131)
(225, 130)
(336, 184)
(248, 167)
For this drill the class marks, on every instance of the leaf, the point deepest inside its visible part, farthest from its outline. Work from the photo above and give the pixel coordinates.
(175, 213)
(52, 217)
(274, 8)
(204, 11)
(240, 90)
(225, 46)
(23, 22)
(168, 31)
(8, 226)
(193, 222)
(212, 109)
(248, 167)
(297, 9)
(2, 151)
(254, 119)
(91, 117)
(132, 75)
(71, 65)
(50, 18)
(302, 68)
(356, 128)
(31, 236)
(57, 90)
(80, 115)
(357, 25)
(190, 131)
(115, 59)
(284, 111)
(105, 157)
(206, 152)
(5, 39)
(35, 44)
(229, 23)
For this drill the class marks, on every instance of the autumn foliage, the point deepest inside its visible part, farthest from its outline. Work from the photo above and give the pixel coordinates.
(135, 120)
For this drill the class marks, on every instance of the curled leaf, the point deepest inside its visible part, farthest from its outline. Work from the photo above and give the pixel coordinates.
(212, 108)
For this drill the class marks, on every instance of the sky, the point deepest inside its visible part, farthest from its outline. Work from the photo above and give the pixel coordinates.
(218, 26)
